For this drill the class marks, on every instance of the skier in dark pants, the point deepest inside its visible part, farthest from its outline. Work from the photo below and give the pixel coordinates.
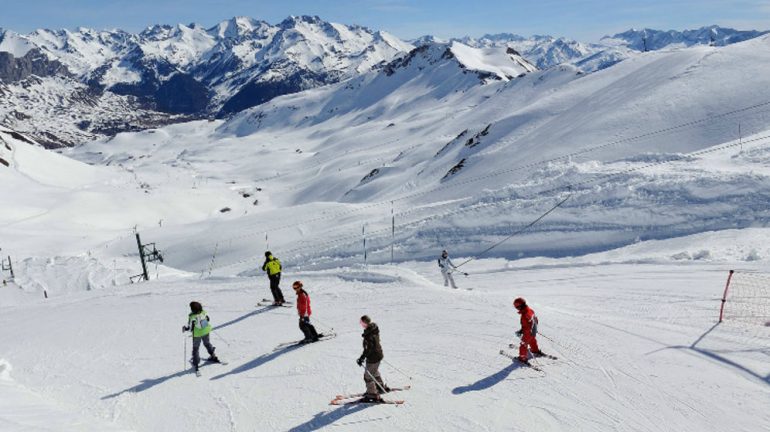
(273, 269)
(198, 323)
(373, 356)
(303, 308)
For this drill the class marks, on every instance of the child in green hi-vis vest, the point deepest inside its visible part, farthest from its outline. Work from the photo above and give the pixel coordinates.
(198, 323)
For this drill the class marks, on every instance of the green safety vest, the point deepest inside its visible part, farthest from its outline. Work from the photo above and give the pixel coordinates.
(199, 324)
(272, 266)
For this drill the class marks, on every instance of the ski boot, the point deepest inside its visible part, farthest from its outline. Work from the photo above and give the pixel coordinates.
(369, 398)
(523, 361)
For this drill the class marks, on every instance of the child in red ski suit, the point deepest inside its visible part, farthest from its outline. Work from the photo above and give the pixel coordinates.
(303, 308)
(528, 332)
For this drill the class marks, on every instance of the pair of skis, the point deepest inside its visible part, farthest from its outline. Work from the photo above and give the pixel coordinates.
(527, 363)
(321, 337)
(268, 302)
(358, 398)
(207, 362)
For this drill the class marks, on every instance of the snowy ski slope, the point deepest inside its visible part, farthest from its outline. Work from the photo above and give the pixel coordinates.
(626, 275)
(637, 345)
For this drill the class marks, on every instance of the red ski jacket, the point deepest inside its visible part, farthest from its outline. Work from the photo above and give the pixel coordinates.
(528, 322)
(303, 304)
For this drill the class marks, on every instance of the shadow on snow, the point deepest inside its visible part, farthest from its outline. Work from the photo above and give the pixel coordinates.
(147, 384)
(241, 318)
(326, 418)
(259, 361)
(487, 382)
(712, 354)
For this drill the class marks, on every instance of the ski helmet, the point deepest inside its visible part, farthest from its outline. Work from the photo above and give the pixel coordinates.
(519, 303)
(196, 307)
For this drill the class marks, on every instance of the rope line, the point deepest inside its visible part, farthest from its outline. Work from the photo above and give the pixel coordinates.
(385, 231)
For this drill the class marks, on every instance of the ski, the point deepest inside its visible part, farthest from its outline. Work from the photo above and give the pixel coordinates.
(209, 362)
(358, 395)
(361, 401)
(517, 360)
(321, 337)
(545, 356)
(270, 304)
(265, 300)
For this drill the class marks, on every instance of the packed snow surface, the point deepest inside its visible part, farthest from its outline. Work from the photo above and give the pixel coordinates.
(631, 340)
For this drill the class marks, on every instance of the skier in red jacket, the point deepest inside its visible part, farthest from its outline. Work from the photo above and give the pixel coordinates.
(528, 332)
(303, 308)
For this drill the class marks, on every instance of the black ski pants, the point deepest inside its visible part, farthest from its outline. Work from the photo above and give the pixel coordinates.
(275, 280)
(307, 329)
(196, 347)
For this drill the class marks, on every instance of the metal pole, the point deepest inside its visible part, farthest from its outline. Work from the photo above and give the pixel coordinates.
(374, 379)
(363, 234)
(397, 369)
(10, 267)
(724, 296)
(141, 256)
(392, 231)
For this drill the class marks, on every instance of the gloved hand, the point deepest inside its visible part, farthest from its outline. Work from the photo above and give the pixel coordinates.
(519, 333)
(185, 328)
(305, 320)
(360, 361)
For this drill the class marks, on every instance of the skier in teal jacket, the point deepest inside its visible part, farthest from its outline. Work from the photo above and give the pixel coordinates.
(198, 323)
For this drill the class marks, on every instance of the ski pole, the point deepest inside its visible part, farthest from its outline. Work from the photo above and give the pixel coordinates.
(374, 379)
(397, 369)
(323, 324)
(184, 353)
(556, 343)
(221, 338)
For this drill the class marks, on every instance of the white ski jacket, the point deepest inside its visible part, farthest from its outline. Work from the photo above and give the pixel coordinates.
(445, 264)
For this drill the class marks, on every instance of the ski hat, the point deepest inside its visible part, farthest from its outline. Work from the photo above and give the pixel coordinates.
(196, 307)
(519, 303)
(268, 253)
(444, 252)
(365, 321)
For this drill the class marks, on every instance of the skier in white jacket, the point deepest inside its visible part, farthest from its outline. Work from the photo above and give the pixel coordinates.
(446, 266)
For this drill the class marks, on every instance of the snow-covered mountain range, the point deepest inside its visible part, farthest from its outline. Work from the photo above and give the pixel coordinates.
(548, 51)
(177, 71)
(65, 87)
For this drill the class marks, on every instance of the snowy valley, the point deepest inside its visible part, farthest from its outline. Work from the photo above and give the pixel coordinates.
(611, 186)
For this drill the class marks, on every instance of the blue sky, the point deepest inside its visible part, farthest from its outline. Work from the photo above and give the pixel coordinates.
(580, 19)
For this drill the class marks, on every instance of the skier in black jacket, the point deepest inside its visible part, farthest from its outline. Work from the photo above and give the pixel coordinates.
(373, 356)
